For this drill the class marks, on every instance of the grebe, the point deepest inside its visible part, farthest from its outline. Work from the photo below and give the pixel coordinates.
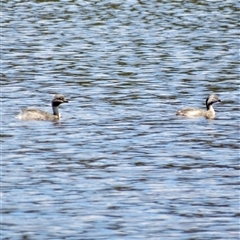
(196, 112)
(36, 114)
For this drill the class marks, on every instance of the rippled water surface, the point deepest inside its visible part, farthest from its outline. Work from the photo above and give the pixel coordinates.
(120, 164)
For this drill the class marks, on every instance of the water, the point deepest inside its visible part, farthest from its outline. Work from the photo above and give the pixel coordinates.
(120, 164)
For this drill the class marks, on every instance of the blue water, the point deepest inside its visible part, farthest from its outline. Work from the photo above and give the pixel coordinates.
(120, 164)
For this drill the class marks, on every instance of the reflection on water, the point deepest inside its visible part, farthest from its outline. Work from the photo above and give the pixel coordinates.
(120, 164)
